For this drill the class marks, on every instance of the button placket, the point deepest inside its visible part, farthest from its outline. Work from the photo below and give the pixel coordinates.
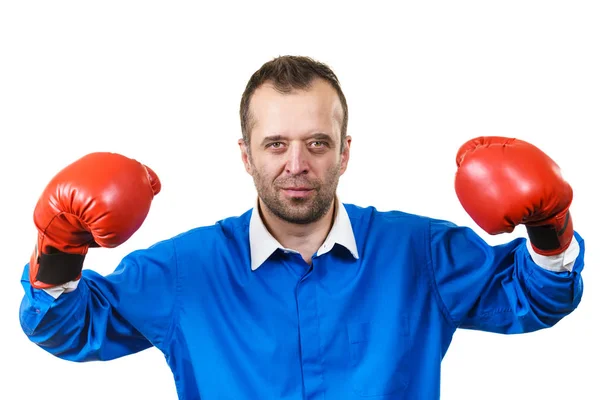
(308, 325)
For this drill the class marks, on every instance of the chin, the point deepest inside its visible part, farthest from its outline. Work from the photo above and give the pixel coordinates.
(299, 202)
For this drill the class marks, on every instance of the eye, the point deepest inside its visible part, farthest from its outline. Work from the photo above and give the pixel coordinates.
(319, 144)
(275, 145)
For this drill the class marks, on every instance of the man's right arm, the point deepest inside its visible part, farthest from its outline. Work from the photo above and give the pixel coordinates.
(100, 200)
(106, 317)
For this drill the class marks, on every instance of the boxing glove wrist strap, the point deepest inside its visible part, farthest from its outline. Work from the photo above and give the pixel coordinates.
(59, 268)
(551, 238)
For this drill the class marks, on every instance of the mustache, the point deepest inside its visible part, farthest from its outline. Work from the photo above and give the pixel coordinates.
(283, 183)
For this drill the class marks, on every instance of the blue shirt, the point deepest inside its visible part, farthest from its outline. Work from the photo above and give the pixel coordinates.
(239, 317)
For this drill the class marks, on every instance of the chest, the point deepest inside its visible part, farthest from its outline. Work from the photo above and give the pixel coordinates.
(290, 327)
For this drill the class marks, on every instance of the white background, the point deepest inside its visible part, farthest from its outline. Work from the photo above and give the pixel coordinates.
(161, 82)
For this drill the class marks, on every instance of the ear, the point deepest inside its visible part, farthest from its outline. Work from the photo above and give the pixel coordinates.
(345, 154)
(245, 156)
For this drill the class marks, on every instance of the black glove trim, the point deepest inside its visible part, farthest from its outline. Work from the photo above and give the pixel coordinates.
(59, 268)
(546, 237)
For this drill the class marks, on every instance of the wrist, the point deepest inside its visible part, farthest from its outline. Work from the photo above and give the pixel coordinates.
(54, 269)
(553, 235)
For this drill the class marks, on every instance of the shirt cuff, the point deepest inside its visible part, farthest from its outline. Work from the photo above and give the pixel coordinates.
(60, 289)
(562, 262)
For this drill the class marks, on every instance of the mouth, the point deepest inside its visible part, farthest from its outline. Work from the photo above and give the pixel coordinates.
(297, 191)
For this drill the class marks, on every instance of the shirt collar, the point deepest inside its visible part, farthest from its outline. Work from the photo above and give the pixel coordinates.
(263, 244)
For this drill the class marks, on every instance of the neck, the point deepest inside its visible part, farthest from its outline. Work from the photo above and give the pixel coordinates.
(304, 238)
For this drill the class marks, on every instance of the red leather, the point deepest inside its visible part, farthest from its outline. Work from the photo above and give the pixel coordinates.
(100, 200)
(503, 182)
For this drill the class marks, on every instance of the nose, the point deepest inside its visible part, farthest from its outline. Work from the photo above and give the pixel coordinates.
(297, 162)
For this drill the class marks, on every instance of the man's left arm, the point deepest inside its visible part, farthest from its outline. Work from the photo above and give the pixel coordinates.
(524, 285)
(501, 288)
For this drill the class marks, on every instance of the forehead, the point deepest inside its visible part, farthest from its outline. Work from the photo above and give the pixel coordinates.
(296, 112)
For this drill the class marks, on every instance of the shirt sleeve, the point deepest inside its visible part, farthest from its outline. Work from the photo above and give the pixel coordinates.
(503, 288)
(105, 317)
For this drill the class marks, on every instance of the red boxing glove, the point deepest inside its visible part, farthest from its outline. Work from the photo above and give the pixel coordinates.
(100, 200)
(502, 182)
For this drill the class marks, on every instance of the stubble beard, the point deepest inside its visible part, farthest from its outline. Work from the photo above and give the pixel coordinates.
(298, 210)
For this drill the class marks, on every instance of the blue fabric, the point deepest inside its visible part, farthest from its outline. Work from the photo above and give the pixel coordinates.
(376, 327)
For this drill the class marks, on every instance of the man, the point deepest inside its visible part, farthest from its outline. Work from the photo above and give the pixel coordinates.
(303, 296)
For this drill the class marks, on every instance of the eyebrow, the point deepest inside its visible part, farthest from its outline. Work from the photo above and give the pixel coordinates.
(317, 136)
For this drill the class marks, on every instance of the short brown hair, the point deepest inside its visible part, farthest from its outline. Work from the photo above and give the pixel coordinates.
(287, 73)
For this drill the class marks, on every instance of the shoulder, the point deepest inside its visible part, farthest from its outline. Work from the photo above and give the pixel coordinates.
(196, 246)
(225, 231)
(395, 224)
(373, 218)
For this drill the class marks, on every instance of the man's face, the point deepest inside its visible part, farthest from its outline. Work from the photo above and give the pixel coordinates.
(294, 156)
